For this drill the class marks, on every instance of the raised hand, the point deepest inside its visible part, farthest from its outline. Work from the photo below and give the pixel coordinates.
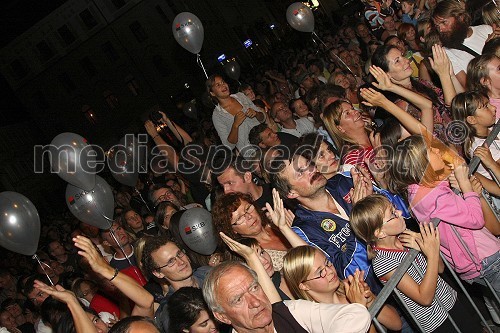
(408, 239)
(372, 97)
(57, 292)
(277, 215)
(440, 62)
(429, 241)
(461, 172)
(150, 128)
(89, 252)
(241, 249)
(354, 289)
(383, 79)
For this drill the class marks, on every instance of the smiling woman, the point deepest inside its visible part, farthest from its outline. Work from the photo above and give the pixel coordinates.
(189, 313)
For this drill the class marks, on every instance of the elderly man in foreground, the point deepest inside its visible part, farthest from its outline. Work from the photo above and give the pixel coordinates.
(236, 298)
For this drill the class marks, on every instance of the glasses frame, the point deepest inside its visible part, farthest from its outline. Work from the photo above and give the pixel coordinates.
(171, 262)
(244, 216)
(394, 215)
(322, 272)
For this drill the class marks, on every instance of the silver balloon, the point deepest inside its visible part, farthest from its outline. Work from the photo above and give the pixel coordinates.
(198, 231)
(300, 17)
(73, 159)
(188, 32)
(189, 110)
(93, 207)
(19, 223)
(126, 159)
(233, 69)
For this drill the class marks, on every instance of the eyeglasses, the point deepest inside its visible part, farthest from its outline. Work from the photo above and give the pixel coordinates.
(180, 254)
(164, 197)
(394, 215)
(246, 215)
(322, 272)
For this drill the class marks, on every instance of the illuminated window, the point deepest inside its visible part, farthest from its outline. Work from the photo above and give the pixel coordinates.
(89, 114)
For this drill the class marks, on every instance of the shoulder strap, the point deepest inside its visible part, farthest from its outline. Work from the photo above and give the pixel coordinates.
(467, 49)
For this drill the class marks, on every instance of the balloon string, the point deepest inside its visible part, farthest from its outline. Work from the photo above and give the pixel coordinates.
(336, 56)
(200, 63)
(43, 268)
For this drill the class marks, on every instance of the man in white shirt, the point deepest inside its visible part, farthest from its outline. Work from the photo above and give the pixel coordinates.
(452, 22)
(282, 114)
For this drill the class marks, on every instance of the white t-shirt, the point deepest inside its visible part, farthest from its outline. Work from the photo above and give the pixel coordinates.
(478, 38)
(459, 59)
(303, 126)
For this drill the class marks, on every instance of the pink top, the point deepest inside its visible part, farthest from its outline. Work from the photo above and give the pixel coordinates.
(467, 217)
(496, 102)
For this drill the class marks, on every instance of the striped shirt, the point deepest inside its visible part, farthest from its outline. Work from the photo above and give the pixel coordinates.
(429, 317)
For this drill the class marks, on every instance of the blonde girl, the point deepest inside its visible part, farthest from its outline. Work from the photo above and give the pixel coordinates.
(310, 276)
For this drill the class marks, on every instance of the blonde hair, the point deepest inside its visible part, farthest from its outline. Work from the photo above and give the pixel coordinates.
(477, 70)
(367, 216)
(331, 119)
(410, 165)
(464, 105)
(297, 265)
(491, 14)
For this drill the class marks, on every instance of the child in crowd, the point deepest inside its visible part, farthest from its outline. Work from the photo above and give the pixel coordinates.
(475, 110)
(418, 167)
(482, 75)
(409, 13)
(375, 220)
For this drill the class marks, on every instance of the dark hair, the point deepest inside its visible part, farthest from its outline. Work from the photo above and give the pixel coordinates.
(254, 134)
(184, 307)
(452, 8)
(491, 46)
(66, 324)
(28, 285)
(152, 245)
(390, 132)
(160, 212)
(123, 326)
(379, 57)
(52, 310)
(309, 144)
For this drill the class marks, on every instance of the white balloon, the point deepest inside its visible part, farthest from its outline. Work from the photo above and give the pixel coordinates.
(188, 32)
(300, 17)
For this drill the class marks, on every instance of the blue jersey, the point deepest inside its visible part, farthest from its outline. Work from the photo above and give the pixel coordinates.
(333, 235)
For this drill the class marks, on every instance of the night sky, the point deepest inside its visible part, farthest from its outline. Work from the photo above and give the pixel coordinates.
(17, 16)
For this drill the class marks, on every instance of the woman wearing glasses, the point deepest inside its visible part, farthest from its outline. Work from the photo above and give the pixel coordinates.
(236, 216)
(311, 276)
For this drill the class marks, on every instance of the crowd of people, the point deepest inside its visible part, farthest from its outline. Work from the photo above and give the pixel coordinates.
(321, 172)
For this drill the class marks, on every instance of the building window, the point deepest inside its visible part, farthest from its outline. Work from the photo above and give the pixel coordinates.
(89, 114)
(118, 3)
(160, 65)
(66, 35)
(162, 14)
(41, 101)
(132, 85)
(67, 83)
(88, 19)
(111, 99)
(138, 31)
(44, 51)
(109, 50)
(19, 68)
(88, 67)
